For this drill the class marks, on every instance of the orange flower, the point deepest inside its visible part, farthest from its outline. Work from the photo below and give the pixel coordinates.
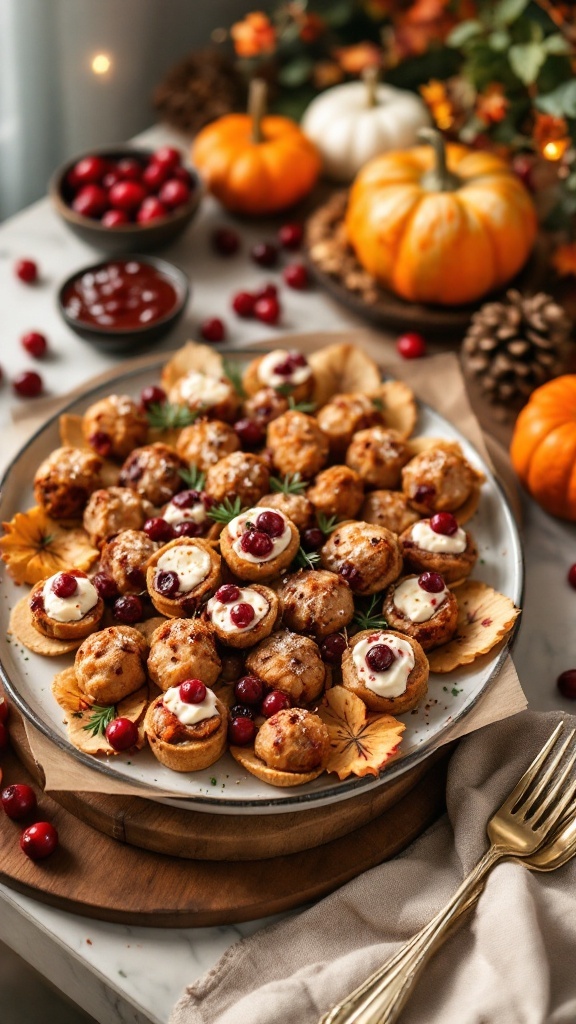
(551, 136)
(436, 98)
(491, 105)
(311, 27)
(564, 259)
(353, 59)
(254, 36)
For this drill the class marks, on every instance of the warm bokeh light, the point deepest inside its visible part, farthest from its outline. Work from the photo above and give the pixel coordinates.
(555, 150)
(101, 64)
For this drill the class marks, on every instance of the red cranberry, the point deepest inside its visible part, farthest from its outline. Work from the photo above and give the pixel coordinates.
(37, 603)
(267, 310)
(225, 241)
(121, 733)
(105, 586)
(290, 236)
(151, 209)
(425, 494)
(167, 156)
(268, 291)
(128, 609)
(332, 648)
(127, 195)
(241, 731)
(39, 840)
(182, 174)
(241, 711)
(380, 657)
(249, 689)
(4, 736)
(192, 691)
(243, 304)
(26, 271)
(253, 542)
(566, 683)
(312, 538)
(351, 574)
(265, 254)
(242, 615)
(129, 169)
(174, 193)
(285, 368)
(91, 201)
(188, 529)
(110, 178)
(411, 345)
(154, 175)
(152, 395)
(271, 523)
(5, 710)
(64, 585)
(186, 499)
(249, 432)
(35, 344)
(444, 523)
(158, 529)
(18, 800)
(167, 583)
(572, 576)
(296, 276)
(101, 442)
(89, 170)
(227, 594)
(115, 218)
(431, 582)
(213, 329)
(273, 702)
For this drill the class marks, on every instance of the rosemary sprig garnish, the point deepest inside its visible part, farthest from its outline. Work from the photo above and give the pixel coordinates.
(226, 511)
(284, 389)
(326, 523)
(367, 617)
(292, 483)
(307, 407)
(233, 372)
(377, 403)
(306, 559)
(100, 717)
(193, 478)
(170, 416)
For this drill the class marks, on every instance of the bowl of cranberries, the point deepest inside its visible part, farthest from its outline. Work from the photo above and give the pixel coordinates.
(126, 199)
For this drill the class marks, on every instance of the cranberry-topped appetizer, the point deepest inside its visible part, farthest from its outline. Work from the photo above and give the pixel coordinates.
(239, 475)
(186, 727)
(422, 607)
(65, 480)
(289, 371)
(242, 616)
(154, 472)
(187, 515)
(367, 557)
(181, 648)
(212, 396)
(114, 426)
(439, 545)
(439, 479)
(66, 606)
(259, 543)
(205, 442)
(181, 574)
(386, 669)
(124, 559)
(110, 510)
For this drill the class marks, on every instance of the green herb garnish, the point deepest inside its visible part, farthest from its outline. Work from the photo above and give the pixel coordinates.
(307, 407)
(226, 511)
(284, 389)
(327, 523)
(233, 372)
(170, 416)
(100, 717)
(378, 404)
(366, 615)
(193, 478)
(290, 484)
(306, 559)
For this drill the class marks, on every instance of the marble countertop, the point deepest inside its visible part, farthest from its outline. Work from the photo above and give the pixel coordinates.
(124, 974)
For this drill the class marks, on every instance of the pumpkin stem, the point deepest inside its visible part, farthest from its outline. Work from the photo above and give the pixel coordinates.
(438, 178)
(370, 79)
(257, 106)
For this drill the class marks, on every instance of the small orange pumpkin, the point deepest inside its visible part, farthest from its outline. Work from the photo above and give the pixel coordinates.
(543, 449)
(253, 164)
(440, 224)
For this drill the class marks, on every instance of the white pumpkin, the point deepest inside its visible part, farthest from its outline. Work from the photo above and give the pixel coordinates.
(351, 123)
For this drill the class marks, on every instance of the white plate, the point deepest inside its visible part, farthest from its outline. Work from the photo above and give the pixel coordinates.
(225, 788)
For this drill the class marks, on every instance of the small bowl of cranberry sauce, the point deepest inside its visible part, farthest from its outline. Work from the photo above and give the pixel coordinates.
(125, 302)
(125, 199)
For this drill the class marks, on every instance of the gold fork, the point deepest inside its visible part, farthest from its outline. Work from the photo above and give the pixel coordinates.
(529, 816)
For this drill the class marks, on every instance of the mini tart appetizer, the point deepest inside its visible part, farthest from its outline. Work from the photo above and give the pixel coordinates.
(386, 669)
(389, 509)
(212, 396)
(111, 663)
(294, 506)
(183, 649)
(289, 371)
(291, 748)
(181, 574)
(343, 416)
(66, 606)
(291, 663)
(111, 510)
(439, 545)
(65, 480)
(297, 444)
(264, 406)
(423, 608)
(259, 543)
(368, 557)
(124, 559)
(315, 602)
(243, 616)
(239, 475)
(204, 443)
(438, 480)
(186, 727)
(114, 426)
(187, 513)
(378, 455)
(337, 491)
(154, 472)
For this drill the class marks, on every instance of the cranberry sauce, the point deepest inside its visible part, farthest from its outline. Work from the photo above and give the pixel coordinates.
(120, 295)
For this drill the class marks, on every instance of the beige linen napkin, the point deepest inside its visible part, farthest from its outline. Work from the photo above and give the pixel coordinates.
(513, 963)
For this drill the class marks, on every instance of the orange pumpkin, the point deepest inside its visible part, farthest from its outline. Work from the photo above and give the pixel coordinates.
(543, 449)
(440, 224)
(254, 164)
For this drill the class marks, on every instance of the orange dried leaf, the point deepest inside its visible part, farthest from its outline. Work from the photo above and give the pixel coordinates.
(360, 743)
(484, 617)
(35, 547)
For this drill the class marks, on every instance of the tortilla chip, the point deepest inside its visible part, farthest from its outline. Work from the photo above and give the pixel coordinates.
(341, 369)
(398, 405)
(80, 709)
(22, 627)
(191, 356)
(484, 618)
(148, 626)
(71, 436)
(246, 757)
(361, 743)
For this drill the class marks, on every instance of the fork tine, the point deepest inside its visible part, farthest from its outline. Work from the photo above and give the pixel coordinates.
(554, 814)
(528, 803)
(531, 772)
(555, 790)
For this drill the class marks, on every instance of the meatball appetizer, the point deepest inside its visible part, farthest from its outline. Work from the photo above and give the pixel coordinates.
(65, 480)
(111, 664)
(182, 574)
(124, 560)
(239, 475)
(423, 608)
(264, 406)
(387, 670)
(183, 649)
(154, 472)
(114, 426)
(290, 663)
(337, 491)
(389, 509)
(297, 444)
(259, 543)
(66, 606)
(186, 727)
(439, 545)
(289, 371)
(378, 455)
(439, 479)
(343, 416)
(111, 510)
(204, 443)
(315, 602)
(292, 742)
(242, 616)
(214, 397)
(367, 557)
(294, 506)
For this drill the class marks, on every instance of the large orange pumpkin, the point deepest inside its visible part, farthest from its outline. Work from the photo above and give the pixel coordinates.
(543, 449)
(440, 224)
(254, 164)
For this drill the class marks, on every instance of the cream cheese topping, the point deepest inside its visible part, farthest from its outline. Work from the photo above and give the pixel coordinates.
(269, 377)
(190, 563)
(73, 608)
(174, 514)
(416, 603)
(190, 714)
(426, 538)
(203, 389)
(220, 612)
(236, 528)
(392, 682)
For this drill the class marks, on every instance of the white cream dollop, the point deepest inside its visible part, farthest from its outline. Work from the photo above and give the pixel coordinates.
(190, 714)
(190, 563)
(269, 377)
(416, 603)
(202, 389)
(73, 608)
(220, 612)
(175, 514)
(392, 682)
(426, 538)
(236, 527)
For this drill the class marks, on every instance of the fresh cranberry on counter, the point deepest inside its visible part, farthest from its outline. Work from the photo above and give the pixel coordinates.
(35, 344)
(18, 800)
(267, 310)
(296, 276)
(39, 840)
(290, 236)
(225, 241)
(213, 329)
(411, 345)
(265, 254)
(27, 384)
(243, 304)
(26, 271)
(566, 683)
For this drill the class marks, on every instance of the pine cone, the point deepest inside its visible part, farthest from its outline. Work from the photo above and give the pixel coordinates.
(203, 86)
(515, 345)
